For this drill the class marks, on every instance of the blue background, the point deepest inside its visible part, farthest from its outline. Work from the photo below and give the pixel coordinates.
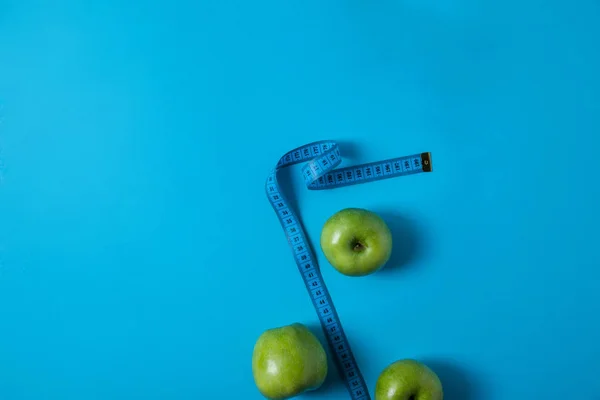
(140, 258)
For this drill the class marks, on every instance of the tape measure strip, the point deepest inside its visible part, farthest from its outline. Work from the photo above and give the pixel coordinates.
(319, 173)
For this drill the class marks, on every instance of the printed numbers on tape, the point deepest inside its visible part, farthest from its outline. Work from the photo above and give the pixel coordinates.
(319, 173)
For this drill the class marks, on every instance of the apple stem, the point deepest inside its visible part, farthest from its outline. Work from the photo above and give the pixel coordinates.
(359, 246)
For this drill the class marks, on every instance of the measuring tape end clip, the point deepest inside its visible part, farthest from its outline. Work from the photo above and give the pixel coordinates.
(426, 161)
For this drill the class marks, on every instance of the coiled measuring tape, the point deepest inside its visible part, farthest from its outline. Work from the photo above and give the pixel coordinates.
(319, 173)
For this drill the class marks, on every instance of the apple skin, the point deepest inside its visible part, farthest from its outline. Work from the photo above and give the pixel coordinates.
(408, 380)
(356, 241)
(288, 361)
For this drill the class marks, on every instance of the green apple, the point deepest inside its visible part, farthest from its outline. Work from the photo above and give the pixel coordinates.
(356, 242)
(408, 380)
(288, 361)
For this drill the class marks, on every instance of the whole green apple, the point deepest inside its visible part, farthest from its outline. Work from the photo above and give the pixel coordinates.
(408, 380)
(287, 361)
(356, 241)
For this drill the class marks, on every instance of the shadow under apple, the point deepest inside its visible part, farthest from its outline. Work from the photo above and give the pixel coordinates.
(407, 241)
(457, 383)
(334, 384)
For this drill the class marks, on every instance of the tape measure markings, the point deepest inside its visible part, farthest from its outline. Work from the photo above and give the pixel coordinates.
(319, 173)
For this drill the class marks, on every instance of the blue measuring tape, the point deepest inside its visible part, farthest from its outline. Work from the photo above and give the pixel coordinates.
(319, 173)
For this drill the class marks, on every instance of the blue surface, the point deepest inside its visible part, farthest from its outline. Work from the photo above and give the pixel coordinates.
(141, 259)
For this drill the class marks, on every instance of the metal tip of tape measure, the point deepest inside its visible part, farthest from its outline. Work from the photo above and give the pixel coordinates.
(426, 161)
